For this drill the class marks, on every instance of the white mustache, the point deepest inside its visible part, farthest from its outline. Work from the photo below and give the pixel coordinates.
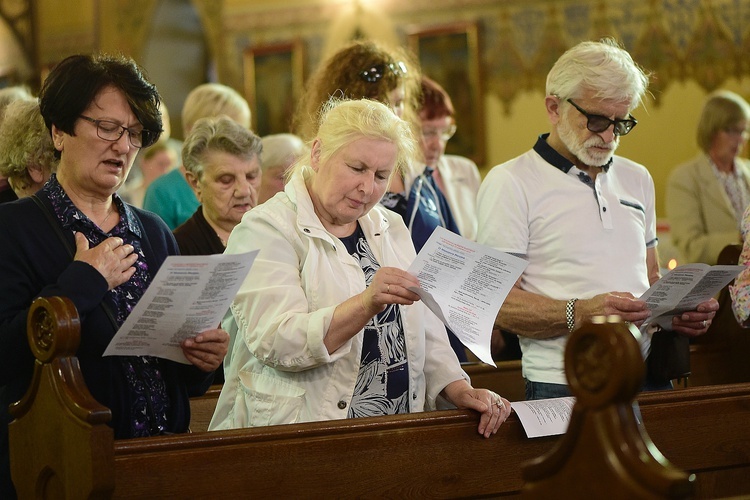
(596, 143)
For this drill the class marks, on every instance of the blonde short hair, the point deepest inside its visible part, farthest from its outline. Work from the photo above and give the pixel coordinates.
(24, 141)
(10, 94)
(214, 99)
(722, 110)
(344, 121)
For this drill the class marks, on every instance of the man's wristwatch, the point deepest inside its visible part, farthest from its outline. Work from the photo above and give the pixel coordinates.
(570, 314)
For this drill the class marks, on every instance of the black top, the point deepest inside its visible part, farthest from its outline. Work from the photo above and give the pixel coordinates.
(196, 236)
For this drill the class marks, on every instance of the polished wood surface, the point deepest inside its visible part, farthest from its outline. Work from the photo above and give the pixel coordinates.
(605, 444)
(701, 430)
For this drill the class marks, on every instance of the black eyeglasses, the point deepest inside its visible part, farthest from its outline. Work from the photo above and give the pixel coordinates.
(375, 73)
(599, 123)
(112, 131)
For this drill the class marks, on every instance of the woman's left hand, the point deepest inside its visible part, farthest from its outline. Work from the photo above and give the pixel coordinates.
(207, 349)
(494, 408)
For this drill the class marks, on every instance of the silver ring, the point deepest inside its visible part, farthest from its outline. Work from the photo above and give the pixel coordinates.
(705, 323)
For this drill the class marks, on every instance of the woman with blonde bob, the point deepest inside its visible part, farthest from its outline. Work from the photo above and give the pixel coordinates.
(707, 196)
(325, 326)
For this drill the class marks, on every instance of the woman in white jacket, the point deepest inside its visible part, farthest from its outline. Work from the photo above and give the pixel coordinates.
(324, 326)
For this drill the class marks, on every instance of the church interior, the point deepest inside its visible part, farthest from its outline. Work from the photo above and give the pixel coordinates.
(497, 53)
(493, 57)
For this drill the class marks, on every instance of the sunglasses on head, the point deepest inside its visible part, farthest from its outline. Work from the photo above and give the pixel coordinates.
(599, 123)
(375, 73)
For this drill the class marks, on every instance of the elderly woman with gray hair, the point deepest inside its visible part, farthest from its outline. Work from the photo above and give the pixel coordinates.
(27, 155)
(707, 196)
(222, 165)
(325, 326)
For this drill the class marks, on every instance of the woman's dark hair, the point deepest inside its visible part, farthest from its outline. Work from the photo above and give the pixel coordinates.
(74, 83)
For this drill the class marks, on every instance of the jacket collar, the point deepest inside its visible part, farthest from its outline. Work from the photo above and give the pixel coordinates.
(372, 223)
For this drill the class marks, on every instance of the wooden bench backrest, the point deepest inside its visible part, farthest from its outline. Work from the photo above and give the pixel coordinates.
(438, 454)
(505, 380)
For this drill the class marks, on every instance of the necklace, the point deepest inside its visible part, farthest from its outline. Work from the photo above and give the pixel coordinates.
(111, 211)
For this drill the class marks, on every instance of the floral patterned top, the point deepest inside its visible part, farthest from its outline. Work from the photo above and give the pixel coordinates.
(740, 291)
(148, 414)
(382, 386)
(735, 185)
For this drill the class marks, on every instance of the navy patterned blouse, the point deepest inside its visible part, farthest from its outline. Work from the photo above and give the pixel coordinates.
(382, 386)
(148, 413)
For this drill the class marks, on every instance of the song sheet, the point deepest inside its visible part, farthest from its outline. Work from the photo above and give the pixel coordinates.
(544, 417)
(189, 295)
(683, 288)
(464, 284)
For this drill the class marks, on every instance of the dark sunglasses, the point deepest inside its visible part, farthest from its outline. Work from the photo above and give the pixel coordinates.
(376, 72)
(599, 123)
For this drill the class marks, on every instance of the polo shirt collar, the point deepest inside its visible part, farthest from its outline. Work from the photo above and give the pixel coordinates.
(554, 158)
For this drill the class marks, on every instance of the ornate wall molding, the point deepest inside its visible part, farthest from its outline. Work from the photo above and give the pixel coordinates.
(702, 40)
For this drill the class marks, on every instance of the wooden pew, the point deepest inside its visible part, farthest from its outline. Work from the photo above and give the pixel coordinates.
(202, 409)
(505, 380)
(430, 455)
(721, 355)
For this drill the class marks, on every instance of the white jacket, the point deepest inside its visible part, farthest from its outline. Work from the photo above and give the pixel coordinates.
(461, 180)
(278, 370)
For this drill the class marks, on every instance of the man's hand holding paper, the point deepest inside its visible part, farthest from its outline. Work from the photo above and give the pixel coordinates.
(683, 299)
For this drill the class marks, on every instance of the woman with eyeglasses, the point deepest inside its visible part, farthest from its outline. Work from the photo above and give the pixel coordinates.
(707, 196)
(76, 238)
(457, 177)
(367, 70)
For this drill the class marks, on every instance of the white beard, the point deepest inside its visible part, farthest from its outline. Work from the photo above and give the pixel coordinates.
(582, 151)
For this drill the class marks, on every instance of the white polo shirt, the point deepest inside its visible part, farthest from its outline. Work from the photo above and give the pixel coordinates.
(581, 238)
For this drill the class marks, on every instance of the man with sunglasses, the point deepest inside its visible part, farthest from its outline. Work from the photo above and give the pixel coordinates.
(583, 217)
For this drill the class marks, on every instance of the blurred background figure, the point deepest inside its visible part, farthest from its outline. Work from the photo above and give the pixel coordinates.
(457, 177)
(156, 161)
(170, 196)
(222, 165)
(8, 95)
(155, 158)
(27, 155)
(280, 151)
(740, 289)
(707, 196)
